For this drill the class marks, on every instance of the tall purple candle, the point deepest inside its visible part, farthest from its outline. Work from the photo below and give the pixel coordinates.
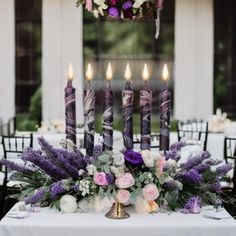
(70, 108)
(108, 113)
(145, 112)
(89, 114)
(127, 110)
(165, 104)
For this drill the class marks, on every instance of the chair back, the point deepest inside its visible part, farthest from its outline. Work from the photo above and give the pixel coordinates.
(154, 141)
(13, 146)
(194, 131)
(230, 155)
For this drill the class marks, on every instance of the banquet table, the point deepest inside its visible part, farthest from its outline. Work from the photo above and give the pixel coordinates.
(48, 222)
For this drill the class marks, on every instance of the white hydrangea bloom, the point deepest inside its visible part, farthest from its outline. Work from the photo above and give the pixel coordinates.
(84, 187)
(91, 169)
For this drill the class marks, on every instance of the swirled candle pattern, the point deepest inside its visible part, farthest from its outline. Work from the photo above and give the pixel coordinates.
(127, 113)
(89, 119)
(165, 104)
(108, 119)
(145, 117)
(70, 112)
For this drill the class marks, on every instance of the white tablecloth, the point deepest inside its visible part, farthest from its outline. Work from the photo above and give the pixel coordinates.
(52, 223)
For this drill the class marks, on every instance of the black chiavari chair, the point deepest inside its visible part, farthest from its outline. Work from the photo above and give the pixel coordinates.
(194, 131)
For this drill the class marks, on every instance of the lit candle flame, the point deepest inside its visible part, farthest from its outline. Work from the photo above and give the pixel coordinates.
(165, 73)
(89, 73)
(127, 74)
(109, 73)
(70, 73)
(145, 73)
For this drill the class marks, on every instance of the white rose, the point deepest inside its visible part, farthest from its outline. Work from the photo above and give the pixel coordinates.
(147, 158)
(68, 204)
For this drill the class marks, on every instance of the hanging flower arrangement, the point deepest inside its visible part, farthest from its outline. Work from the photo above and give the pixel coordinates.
(125, 9)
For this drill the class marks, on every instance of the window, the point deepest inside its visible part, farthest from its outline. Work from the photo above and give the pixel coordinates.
(122, 41)
(28, 51)
(225, 57)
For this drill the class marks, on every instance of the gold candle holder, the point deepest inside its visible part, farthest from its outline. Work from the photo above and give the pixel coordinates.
(117, 211)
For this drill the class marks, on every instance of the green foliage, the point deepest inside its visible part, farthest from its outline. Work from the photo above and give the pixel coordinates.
(29, 122)
(35, 108)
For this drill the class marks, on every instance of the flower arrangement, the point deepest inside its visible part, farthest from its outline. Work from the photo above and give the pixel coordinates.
(70, 181)
(131, 9)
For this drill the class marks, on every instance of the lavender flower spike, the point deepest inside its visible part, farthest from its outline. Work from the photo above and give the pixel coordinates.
(191, 177)
(37, 197)
(193, 205)
(43, 163)
(56, 189)
(224, 169)
(14, 166)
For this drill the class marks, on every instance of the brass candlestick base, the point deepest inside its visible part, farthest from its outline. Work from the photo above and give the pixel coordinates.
(117, 212)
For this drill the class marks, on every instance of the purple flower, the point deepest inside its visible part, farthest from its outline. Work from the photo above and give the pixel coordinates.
(191, 177)
(110, 178)
(40, 194)
(173, 155)
(133, 158)
(127, 4)
(113, 12)
(223, 169)
(212, 162)
(195, 161)
(14, 166)
(44, 164)
(214, 187)
(193, 205)
(56, 189)
(97, 151)
(65, 165)
(76, 187)
(177, 146)
(201, 168)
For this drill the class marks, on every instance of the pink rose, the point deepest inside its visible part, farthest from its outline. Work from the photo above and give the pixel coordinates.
(160, 163)
(150, 192)
(123, 196)
(100, 179)
(89, 5)
(125, 181)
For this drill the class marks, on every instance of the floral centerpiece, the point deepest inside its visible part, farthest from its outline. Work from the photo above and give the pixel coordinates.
(151, 181)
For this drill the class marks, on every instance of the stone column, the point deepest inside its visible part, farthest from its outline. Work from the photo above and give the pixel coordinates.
(7, 59)
(194, 59)
(62, 44)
